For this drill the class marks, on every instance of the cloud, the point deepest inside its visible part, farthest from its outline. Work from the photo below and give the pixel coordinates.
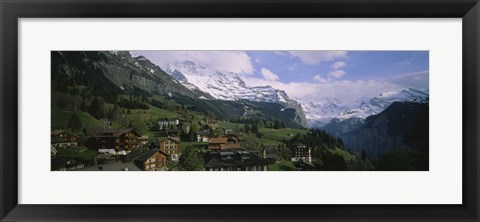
(316, 57)
(347, 90)
(338, 65)
(319, 78)
(418, 80)
(234, 61)
(336, 74)
(269, 75)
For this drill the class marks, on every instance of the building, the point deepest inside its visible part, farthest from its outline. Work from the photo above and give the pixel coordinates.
(216, 143)
(185, 128)
(302, 152)
(228, 131)
(151, 160)
(223, 143)
(203, 136)
(303, 166)
(168, 123)
(271, 153)
(112, 141)
(171, 147)
(63, 139)
(63, 163)
(237, 159)
(113, 166)
(53, 151)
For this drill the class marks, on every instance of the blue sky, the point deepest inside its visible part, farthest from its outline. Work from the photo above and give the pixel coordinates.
(311, 75)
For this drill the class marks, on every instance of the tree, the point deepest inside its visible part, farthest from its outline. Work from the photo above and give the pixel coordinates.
(191, 160)
(74, 123)
(97, 108)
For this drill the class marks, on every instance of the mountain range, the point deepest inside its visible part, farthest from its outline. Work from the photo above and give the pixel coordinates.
(226, 85)
(320, 113)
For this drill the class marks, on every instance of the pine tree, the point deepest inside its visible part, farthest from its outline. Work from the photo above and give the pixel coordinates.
(74, 123)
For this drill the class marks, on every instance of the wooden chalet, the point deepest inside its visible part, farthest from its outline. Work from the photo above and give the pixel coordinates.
(236, 159)
(112, 141)
(152, 160)
(63, 139)
(171, 147)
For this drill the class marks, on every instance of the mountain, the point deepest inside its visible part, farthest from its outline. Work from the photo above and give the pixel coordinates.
(116, 72)
(320, 113)
(80, 76)
(385, 131)
(226, 85)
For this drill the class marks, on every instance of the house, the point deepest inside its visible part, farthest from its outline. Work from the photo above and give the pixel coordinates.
(303, 166)
(271, 153)
(302, 152)
(222, 143)
(143, 140)
(237, 159)
(210, 126)
(185, 128)
(168, 123)
(63, 139)
(232, 139)
(113, 166)
(53, 151)
(152, 160)
(228, 131)
(63, 163)
(203, 136)
(171, 147)
(112, 141)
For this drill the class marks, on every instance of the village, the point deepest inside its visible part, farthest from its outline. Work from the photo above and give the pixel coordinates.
(214, 149)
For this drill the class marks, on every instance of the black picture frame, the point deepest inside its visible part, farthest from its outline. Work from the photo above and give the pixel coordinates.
(12, 10)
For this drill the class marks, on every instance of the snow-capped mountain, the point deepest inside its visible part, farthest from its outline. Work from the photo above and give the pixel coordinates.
(321, 112)
(226, 85)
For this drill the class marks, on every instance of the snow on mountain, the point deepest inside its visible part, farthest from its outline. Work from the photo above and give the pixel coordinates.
(226, 85)
(319, 113)
(223, 85)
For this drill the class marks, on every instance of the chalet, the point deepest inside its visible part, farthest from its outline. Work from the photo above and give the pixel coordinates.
(63, 163)
(113, 166)
(237, 159)
(216, 143)
(168, 123)
(63, 139)
(228, 131)
(53, 151)
(185, 127)
(271, 153)
(222, 143)
(203, 136)
(303, 166)
(113, 141)
(152, 160)
(210, 126)
(232, 139)
(302, 152)
(143, 140)
(171, 147)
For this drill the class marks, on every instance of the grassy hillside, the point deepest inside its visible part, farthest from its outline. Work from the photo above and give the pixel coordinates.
(60, 118)
(280, 134)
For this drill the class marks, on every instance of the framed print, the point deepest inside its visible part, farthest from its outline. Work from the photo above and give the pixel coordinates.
(266, 110)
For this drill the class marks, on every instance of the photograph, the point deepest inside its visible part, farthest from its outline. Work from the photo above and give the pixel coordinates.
(253, 110)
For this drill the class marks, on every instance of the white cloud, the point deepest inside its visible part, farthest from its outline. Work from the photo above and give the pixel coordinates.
(336, 74)
(418, 80)
(319, 78)
(338, 65)
(316, 57)
(269, 75)
(346, 90)
(234, 61)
